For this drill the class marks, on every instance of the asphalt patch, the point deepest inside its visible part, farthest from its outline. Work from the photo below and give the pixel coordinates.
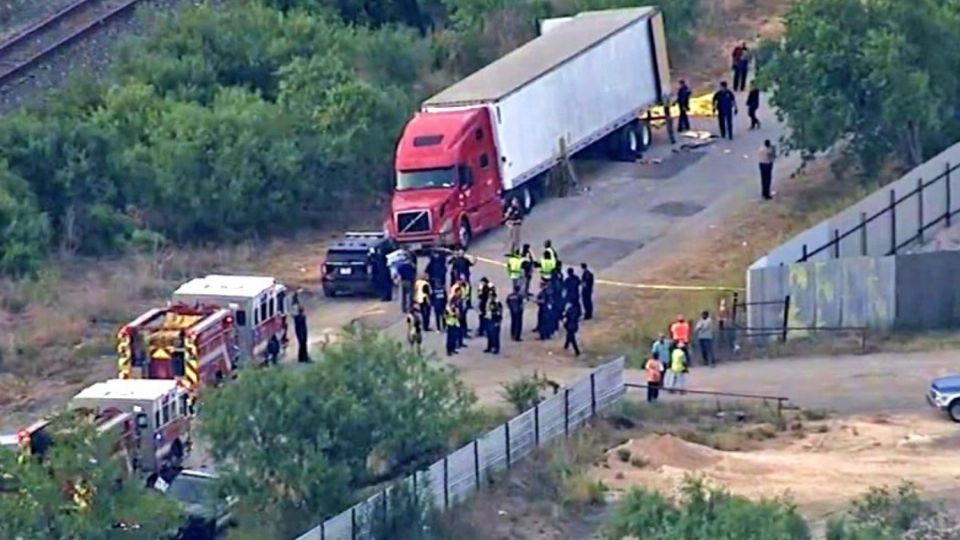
(598, 253)
(669, 167)
(677, 209)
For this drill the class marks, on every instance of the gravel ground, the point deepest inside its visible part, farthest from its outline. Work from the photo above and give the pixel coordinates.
(91, 54)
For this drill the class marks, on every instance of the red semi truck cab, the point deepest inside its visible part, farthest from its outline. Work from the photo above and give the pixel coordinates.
(448, 186)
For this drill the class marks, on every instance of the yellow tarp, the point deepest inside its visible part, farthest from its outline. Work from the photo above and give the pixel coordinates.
(699, 106)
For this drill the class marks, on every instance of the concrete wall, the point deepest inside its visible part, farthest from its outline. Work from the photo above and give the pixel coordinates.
(907, 292)
(879, 231)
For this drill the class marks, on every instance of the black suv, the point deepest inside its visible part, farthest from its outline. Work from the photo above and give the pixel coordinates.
(348, 267)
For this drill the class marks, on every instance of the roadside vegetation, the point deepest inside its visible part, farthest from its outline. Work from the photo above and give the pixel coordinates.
(248, 119)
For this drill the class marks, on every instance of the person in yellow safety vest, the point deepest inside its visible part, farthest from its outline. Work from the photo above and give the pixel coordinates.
(465, 306)
(452, 319)
(548, 246)
(23, 442)
(422, 292)
(548, 268)
(515, 269)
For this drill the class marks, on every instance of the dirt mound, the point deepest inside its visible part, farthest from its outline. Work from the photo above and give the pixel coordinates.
(820, 471)
(671, 451)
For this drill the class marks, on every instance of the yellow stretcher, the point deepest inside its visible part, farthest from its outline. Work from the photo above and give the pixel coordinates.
(701, 105)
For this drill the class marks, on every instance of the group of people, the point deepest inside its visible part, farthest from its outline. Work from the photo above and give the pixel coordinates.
(563, 299)
(725, 108)
(669, 362)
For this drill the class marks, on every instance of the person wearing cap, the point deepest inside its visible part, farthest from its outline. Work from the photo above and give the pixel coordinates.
(483, 298)
(680, 330)
(494, 323)
(654, 369)
(679, 367)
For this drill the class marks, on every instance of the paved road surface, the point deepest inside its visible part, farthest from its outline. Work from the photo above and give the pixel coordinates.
(626, 214)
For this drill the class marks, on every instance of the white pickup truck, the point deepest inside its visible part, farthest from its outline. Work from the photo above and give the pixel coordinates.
(944, 394)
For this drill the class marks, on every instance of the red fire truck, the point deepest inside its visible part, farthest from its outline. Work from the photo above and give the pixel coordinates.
(258, 304)
(147, 422)
(196, 345)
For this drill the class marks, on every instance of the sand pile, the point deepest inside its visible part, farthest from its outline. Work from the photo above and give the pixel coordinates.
(820, 470)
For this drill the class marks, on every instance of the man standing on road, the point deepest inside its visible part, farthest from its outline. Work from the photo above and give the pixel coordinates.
(571, 289)
(586, 291)
(725, 107)
(753, 103)
(421, 299)
(704, 333)
(407, 273)
(527, 264)
(571, 323)
(300, 330)
(741, 66)
(543, 314)
(679, 367)
(514, 268)
(494, 323)
(654, 370)
(439, 307)
(452, 320)
(437, 269)
(515, 306)
(382, 281)
(483, 300)
(513, 218)
(680, 331)
(548, 268)
(768, 154)
(548, 247)
(683, 103)
(661, 348)
(460, 265)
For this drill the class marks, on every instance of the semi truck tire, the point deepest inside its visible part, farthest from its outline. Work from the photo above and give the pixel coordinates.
(527, 199)
(626, 143)
(646, 135)
(466, 235)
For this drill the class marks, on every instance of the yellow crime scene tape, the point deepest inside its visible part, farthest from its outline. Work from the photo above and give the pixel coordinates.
(699, 106)
(647, 286)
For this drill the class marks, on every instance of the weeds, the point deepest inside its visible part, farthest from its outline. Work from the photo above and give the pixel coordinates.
(525, 391)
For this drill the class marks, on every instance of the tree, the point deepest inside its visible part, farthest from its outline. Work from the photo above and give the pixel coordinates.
(877, 76)
(24, 230)
(36, 494)
(297, 445)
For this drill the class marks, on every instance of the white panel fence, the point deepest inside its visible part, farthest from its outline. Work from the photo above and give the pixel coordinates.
(460, 474)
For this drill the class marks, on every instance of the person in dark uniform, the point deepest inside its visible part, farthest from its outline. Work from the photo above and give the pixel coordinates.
(452, 320)
(407, 272)
(725, 107)
(683, 103)
(437, 269)
(571, 323)
(381, 276)
(439, 306)
(543, 314)
(556, 307)
(586, 291)
(273, 350)
(571, 288)
(300, 330)
(515, 307)
(753, 103)
(494, 323)
(483, 297)
(527, 266)
(460, 265)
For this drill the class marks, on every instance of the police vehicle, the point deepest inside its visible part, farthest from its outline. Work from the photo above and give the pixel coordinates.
(350, 264)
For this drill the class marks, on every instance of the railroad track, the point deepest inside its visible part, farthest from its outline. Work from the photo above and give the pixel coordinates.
(25, 49)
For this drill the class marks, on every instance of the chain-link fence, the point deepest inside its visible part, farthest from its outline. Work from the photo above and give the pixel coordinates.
(457, 476)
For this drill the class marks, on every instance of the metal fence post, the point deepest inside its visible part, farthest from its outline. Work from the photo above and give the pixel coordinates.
(736, 300)
(536, 425)
(786, 319)
(446, 483)
(920, 226)
(506, 441)
(566, 412)
(836, 243)
(863, 234)
(353, 523)
(476, 461)
(804, 258)
(946, 177)
(386, 511)
(893, 222)
(593, 394)
(323, 530)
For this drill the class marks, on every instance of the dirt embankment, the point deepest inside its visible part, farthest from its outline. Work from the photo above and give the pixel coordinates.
(821, 472)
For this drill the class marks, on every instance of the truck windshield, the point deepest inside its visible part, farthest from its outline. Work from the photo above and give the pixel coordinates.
(427, 178)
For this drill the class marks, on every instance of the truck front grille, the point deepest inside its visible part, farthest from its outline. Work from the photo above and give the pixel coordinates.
(417, 221)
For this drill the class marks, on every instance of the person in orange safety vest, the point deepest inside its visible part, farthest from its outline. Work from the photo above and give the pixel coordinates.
(680, 330)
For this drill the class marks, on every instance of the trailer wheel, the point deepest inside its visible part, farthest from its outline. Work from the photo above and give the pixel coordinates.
(527, 199)
(465, 234)
(646, 136)
(626, 145)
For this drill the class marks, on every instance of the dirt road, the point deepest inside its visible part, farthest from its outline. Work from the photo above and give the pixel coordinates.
(623, 215)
